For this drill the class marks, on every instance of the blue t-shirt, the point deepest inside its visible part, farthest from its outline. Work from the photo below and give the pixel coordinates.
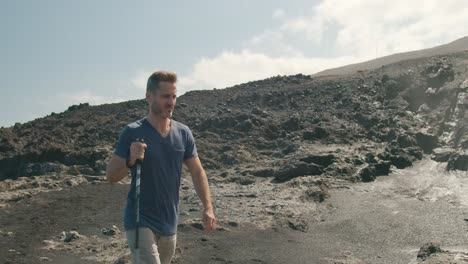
(160, 174)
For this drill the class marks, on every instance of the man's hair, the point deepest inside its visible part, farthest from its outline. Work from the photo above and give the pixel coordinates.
(160, 76)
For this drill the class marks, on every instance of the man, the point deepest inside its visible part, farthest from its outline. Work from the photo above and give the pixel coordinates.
(167, 144)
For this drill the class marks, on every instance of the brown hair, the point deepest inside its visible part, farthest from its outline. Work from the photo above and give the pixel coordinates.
(160, 76)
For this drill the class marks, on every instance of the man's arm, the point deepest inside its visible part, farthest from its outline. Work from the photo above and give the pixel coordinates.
(116, 169)
(200, 182)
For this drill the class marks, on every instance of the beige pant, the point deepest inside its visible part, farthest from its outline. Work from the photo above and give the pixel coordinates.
(152, 247)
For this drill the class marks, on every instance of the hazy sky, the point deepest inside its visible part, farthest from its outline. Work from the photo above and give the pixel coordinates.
(58, 53)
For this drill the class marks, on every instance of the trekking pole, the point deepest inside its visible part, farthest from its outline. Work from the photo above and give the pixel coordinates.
(138, 164)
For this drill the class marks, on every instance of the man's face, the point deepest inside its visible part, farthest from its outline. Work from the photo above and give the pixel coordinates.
(163, 100)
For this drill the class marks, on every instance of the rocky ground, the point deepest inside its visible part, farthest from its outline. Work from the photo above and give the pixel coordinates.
(276, 150)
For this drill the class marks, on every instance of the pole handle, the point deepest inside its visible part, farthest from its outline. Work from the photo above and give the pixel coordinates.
(139, 161)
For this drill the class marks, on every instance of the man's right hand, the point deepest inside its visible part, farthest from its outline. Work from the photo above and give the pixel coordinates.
(137, 152)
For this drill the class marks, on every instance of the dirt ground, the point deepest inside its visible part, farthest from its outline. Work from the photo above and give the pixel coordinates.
(385, 221)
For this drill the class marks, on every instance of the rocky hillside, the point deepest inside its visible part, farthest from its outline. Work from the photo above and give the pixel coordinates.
(453, 47)
(282, 127)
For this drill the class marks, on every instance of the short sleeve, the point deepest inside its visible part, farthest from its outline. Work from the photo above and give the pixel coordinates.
(122, 148)
(190, 147)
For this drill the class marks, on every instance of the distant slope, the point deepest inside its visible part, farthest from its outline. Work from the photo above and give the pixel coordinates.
(455, 46)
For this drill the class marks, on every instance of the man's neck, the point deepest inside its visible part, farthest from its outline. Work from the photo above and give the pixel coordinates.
(162, 125)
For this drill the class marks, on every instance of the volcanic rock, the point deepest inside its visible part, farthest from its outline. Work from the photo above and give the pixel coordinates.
(69, 236)
(442, 154)
(427, 142)
(291, 171)
(317, 133)
(322, 160)
(428, 249)
(458, 161)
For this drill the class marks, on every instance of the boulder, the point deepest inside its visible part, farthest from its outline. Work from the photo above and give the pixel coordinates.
(69, 236)
(367, 174)
(36, 169)
(317, 133)
(397, 157)
(406, 141)
(291, 171)
(442, 154)
(315, 194)
(125, 259)
(268, 172)
(426, 142)
(322, 160)
(245, 125)
(458, 161)
(401, 161)
(382, 168)
(292, 124)
(428, 249)
(298, 225)
(111, 230)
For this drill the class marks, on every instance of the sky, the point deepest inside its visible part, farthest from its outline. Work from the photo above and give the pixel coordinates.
(57, 53)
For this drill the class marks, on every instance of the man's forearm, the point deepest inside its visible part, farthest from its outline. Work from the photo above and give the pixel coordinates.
(200, 182)
(116, 172)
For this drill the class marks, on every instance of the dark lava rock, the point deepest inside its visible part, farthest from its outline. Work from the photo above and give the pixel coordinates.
(233, 224)
(292, 124)
(263, 173)
(442, 154)
(111, 231)
(458, 161)
(415, 152)
(392, 88)
(298, 169)
(406, 141)
(245, 125)
(272, 131)
(36, 169)
(401, 158)
(257, 111)
(382, 168)
(367, 121)
(370, 158)
(428, 249)
(439, 74)
(299, 225)
(397, 157)
(318, 133)
(370, 172)
(401, 161)
(315, 194)
(7, 144)
(243, 180)
(125, 259)
(77, 107)
(322, 160)
(290, 149)
(426, 142)
(367, 174)
(69, 236)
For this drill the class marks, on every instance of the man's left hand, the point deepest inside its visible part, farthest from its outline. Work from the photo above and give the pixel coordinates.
(209, 220)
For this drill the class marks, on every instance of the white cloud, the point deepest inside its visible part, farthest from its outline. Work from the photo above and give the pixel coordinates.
(278, 13)
(399, 26)
(230, 68)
